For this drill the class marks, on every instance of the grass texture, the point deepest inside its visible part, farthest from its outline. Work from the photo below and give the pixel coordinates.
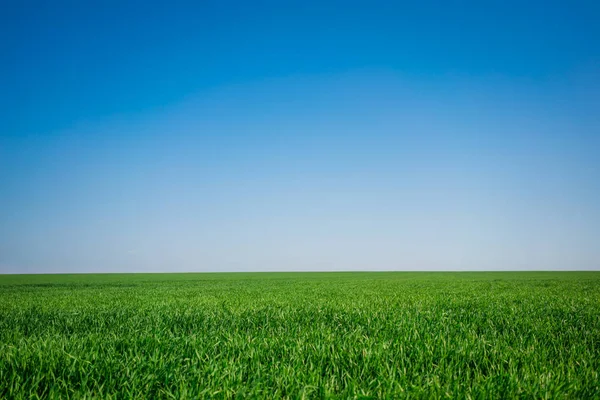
(301, 335)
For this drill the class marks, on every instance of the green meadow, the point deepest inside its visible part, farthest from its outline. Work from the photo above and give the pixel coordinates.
(301, 335)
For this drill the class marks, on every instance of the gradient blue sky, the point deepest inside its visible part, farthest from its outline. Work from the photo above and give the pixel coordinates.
(325, 135)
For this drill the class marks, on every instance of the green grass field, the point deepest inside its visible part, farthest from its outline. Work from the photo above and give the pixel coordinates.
(301, 335)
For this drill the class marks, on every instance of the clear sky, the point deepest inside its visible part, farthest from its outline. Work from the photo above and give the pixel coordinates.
(314, 135)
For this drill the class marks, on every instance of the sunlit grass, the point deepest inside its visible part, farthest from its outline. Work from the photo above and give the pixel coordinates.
(344, 335)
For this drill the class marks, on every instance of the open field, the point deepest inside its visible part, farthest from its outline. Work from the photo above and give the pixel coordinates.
(294, 335)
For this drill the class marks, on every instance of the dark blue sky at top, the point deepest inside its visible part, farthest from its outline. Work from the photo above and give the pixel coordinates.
(230, 135)
(65, 61)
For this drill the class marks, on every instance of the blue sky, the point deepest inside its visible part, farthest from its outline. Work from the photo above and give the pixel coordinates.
(226, 136)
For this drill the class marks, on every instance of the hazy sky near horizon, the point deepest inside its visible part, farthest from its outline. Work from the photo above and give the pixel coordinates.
(243, 136)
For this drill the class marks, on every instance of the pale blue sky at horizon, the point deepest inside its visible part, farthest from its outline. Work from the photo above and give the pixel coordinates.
(261, 136)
